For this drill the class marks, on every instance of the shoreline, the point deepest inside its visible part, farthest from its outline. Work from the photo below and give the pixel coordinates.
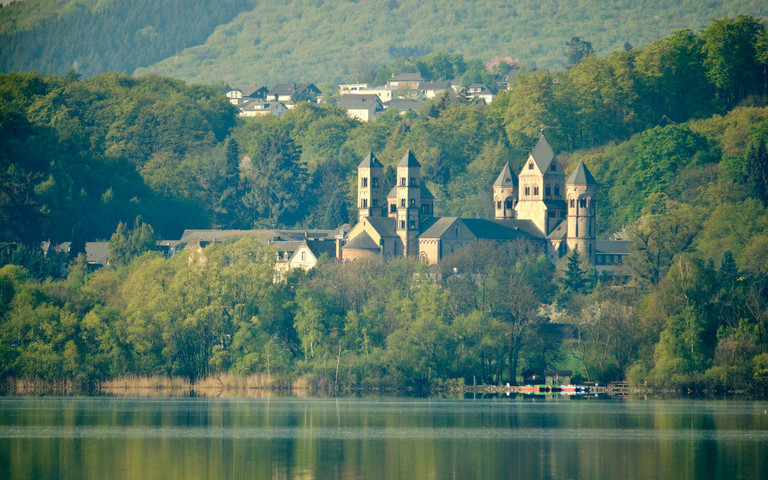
(249, 387)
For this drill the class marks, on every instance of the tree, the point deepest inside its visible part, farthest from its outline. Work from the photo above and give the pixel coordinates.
(125, 243)
(756, 159)
(574, 279)
(730, 57)
(576, 50)
(276, 190)
(336, 214)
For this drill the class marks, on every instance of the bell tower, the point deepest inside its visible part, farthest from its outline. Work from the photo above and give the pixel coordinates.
(408, 185)
(580, 190)
(505, 194)
(370, 189)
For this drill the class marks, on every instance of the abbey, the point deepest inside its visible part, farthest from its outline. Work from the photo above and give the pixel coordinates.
(537, 210)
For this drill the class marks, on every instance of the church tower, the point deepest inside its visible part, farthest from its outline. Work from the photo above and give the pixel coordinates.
(505, 194)
(580, 189)
(370, 189)
(541, 185)
(408, 185)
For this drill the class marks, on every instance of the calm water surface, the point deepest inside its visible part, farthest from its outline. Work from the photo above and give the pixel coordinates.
(285, 438)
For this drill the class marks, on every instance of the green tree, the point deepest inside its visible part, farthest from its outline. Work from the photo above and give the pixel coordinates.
(756, 160)
(576, 50)
(730, 57)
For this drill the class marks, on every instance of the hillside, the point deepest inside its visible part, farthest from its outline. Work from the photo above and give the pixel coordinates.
(335, 40)
(97, 36)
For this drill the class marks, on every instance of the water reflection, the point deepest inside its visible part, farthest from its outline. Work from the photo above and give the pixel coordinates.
(290, 438)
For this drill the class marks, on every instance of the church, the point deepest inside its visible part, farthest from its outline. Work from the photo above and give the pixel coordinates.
(538, 210)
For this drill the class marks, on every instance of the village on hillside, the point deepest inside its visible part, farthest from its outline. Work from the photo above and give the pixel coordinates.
(403, 92)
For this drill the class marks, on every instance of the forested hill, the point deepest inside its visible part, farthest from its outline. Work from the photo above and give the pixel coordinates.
(97, 36)
(266, 42)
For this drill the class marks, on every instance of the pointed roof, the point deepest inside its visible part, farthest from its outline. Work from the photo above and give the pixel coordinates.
(542, 154)
(505, 178)
(370, 162)
(425, 193)
(392, 193)
(581, 176)
(408, 160)
(363, 241)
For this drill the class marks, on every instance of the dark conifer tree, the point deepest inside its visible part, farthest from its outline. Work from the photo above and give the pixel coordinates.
(336, 214)
(757, 170)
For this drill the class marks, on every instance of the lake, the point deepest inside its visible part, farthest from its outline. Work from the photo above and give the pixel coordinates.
(381, 438)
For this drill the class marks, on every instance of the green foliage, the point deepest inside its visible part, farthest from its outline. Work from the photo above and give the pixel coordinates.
(125, 244)
(576, 50)
(273, 43)
(93, 38)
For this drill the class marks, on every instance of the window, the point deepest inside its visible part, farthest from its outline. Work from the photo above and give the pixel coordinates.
(303, 256)
(554, 166)
(413, 202)
(425, 209)
(530, 165)
(498, 204)
(413, 182)
(510, 204)
(375, 203)
(402, 181)
(557, 191)
(374, 182)
(527, 191)
(412, 224)
(402, 224)
(364, 182)
(547, 191)
(392, 208)
(364, 203)
(402, 202)
(572, 203)
(535, 191)
(583, 202)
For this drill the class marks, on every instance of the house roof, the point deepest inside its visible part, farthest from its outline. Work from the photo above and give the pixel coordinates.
(96, 253)
(262, 106)
(249, 91)
(526, 226)
(542, 154)
(425, 193)
(408, 160)
(264, 235)
(320, 247)
(363, 241)
(293, 88)
(370, 161)
(385, 226)
(556, 204)
(404, 104)
(506, 178)
(407, 77)
(481, 89)
(438, 228)
(581, 176)
(360, 101)
(559, 232)
(392, 193)
(492, 230)
(434, 85)
(612, 247)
